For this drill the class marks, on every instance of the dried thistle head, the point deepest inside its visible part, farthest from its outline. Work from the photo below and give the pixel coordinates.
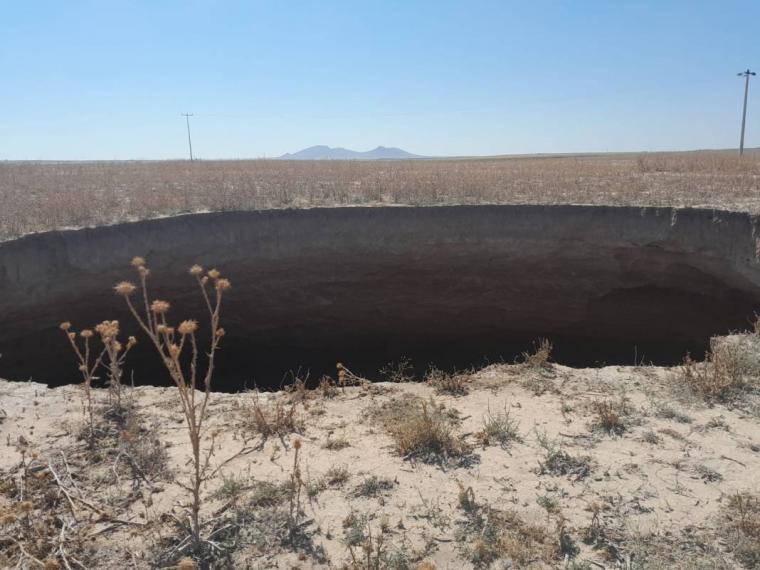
(187, 327)
(125, 288)
(220, 332)
(138, 261)
(186, 564)
(161, 328)
(297, 443)
(223, 284)
(108, 330)
(8, 519)
(214, 273)
(196, 269)
(86, 333)
(160, 307)
(131, 341)
(72, 335)
(65, 326)
(126, 435)
(25, 506)
(174, 350)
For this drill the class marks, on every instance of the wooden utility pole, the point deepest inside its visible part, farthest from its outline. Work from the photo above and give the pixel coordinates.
(190, 141)
(746, 74)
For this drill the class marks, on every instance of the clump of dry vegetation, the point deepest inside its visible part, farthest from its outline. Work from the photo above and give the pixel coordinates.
(741, 527)
(452, 383)
(488, 535)
(272, 519)
(111, 356)
(373, 486)
(612, 416)
(499, 428)
(370, 548)
(39, 196)
(422, 430)
(276, 418)
(538, 358)
(399, 371)
(52, 503)
(731, 368)
(557, 461)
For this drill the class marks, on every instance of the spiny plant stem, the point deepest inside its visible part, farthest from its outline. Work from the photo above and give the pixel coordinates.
(170, 344)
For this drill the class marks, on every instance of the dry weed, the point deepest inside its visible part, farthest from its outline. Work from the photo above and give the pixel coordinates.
(731, 368)
(171, 343)
(557, 461)
(741, 526)
(111, 356)
(539, 356)
(453, 384)
(498, 428)
(276, 418)
(400, 371)
(488, 535)
(611, 416)
(423, 430)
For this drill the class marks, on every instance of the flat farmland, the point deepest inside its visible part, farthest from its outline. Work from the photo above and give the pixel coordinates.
(40, 196)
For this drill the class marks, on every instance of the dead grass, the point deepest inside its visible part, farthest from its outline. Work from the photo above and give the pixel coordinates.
(499, 428)
(611, 416)
(488, 535)
(731, 369)
(422, 430)
(451, 383)
(374, 486)
(398, 371)
(556, 461)
(272, 419)
(741, 527)
(45, 196)
(538, 357)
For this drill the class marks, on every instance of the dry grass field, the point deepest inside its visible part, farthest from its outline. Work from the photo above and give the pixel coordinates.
(43, 196)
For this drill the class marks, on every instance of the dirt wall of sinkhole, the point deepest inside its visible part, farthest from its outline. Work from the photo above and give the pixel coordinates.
(365, 285)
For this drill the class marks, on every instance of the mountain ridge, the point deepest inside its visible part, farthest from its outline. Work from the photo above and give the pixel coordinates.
(324, 152)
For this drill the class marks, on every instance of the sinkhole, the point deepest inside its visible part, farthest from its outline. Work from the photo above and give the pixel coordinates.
(453, 286)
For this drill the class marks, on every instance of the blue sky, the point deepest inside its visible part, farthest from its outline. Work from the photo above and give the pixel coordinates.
(109, 79)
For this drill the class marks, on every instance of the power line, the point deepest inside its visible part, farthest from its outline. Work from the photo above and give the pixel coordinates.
(746, 74)
(189, 140)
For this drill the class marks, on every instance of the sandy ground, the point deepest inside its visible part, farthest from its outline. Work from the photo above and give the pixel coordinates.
(652, 492)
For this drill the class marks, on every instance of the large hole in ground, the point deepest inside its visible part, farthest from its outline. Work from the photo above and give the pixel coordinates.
(452, 286)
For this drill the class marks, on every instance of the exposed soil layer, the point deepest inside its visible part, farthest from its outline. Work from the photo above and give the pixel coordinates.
(450, 285)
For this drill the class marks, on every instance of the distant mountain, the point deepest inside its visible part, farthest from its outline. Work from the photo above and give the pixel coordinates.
(322, 152)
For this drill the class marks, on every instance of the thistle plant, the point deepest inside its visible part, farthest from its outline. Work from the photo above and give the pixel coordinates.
(111, 355)
(115, 355)
(172, 343)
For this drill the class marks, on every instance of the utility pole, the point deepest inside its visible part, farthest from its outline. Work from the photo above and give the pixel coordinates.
(190, 141)
(746, 74)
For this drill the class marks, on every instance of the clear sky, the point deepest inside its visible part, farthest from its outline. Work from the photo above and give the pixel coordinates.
(108, 79)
